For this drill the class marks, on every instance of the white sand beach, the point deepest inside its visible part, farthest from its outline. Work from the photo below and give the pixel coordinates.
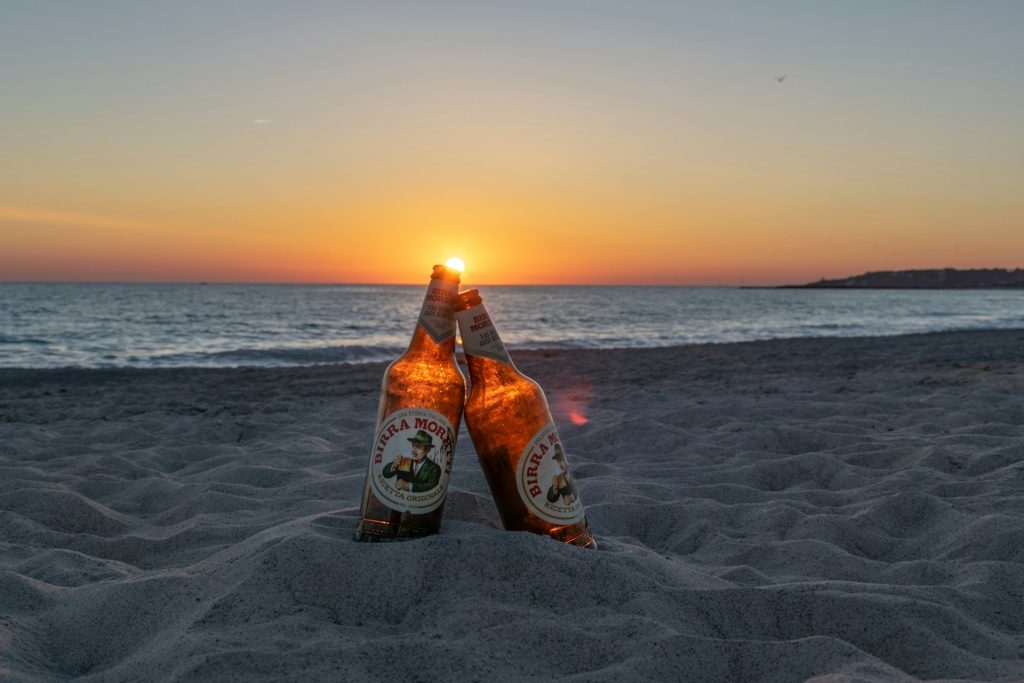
(792, 510)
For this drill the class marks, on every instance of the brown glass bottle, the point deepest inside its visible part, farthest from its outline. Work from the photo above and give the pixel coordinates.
(421, 401)
(514, 436)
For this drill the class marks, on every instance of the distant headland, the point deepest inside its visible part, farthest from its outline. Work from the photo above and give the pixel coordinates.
(939, 278)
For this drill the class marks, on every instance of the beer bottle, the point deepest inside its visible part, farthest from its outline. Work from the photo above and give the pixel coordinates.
(417, 422)
(514, 436)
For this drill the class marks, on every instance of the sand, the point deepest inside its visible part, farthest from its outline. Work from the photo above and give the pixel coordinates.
(826, 510)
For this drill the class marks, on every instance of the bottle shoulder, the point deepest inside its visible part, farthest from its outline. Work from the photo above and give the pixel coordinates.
(426, 369)
(503, 389)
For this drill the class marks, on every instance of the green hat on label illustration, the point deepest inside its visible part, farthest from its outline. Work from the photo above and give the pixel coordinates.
(422, 439)
(559, 454)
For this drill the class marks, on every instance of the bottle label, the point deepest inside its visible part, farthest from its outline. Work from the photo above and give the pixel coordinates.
(412, 460)
(479, 336)
(436, 315)
(544, 481)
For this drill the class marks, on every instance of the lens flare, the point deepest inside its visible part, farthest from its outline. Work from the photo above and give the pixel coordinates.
(578, 418)
(455, 264)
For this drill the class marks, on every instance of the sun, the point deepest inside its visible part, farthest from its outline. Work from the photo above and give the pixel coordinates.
(455, 263)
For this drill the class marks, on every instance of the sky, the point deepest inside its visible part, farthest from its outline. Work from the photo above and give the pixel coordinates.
(542, 142)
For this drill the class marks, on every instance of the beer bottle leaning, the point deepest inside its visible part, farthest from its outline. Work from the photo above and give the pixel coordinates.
(421, 400)
(508, 419)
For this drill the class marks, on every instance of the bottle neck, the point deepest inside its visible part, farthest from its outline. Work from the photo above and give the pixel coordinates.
(424, 347)
(434, 336)
(480, 341)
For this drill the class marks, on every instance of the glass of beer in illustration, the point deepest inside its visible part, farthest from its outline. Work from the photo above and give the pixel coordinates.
(404, 464)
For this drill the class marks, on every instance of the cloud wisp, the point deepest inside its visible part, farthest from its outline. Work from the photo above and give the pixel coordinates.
(37, 216)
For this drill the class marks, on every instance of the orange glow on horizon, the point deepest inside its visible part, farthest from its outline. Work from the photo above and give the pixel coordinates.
(515, 239)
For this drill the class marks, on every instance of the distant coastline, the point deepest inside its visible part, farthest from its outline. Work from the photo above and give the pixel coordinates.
(938, 278)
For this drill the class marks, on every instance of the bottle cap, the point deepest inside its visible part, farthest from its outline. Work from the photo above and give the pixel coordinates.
(442, 272)
(467, 299)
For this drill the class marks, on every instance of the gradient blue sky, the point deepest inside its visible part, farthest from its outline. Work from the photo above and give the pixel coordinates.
(542, 142)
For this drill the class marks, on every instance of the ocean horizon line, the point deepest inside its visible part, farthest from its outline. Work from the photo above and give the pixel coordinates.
(212, 283)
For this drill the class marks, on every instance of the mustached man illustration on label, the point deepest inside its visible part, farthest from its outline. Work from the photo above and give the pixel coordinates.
(562, 484)
(417, 472)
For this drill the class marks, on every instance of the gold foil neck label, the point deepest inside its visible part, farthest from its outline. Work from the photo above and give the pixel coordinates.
(436, 316)
(411, 460)
(545, 482)
(479, 336)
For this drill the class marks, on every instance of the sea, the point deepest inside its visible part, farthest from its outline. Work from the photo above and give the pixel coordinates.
(228, 325)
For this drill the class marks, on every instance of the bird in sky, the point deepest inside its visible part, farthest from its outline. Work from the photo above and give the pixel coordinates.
(781, 78)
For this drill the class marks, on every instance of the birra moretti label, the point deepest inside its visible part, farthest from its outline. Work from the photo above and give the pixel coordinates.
(436, 315)
(545, 483)
(479, 336)
(412, 460)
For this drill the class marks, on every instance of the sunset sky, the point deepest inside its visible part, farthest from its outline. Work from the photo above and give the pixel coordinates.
(542, 142)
